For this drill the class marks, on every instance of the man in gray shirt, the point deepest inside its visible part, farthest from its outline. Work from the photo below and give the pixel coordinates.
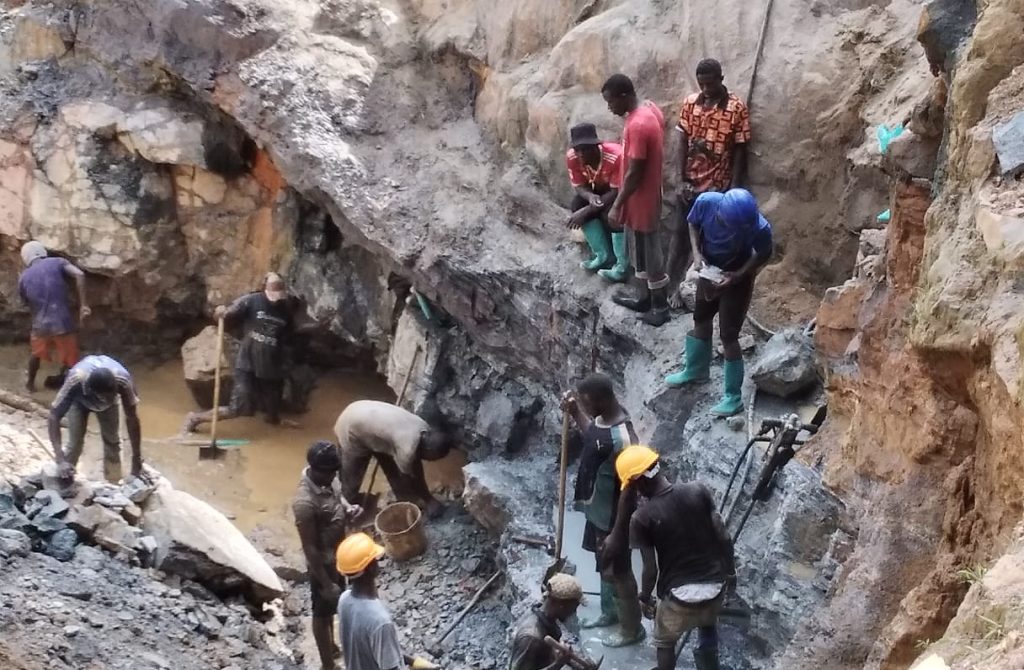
(369, 638)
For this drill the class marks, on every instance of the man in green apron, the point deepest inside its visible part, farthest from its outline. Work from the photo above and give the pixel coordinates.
(606, 430)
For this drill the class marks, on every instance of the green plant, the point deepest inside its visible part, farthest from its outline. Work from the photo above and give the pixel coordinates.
(972, 576)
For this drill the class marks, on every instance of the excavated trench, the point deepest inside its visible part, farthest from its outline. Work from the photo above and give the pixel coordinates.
(368, 148)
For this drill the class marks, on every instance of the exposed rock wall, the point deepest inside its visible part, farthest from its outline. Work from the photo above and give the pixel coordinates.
(925, 376)
(354, 139)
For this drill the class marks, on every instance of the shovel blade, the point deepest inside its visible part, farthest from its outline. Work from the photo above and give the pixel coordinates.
(210, 453)
(553, 569)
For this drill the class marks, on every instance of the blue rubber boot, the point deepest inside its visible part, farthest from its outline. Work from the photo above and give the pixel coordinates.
(732, 400)
(696, 363)
(593, 231)
(618, 272)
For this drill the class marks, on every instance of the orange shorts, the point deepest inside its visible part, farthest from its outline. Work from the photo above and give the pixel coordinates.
(65, 346)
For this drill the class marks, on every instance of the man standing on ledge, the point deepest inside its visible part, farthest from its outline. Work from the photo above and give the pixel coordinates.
(321, 516)
(714, 132)
(686, 551)
(732, 242)
(593, 168)
(43, 287)
(399, 441)
(637, 207)
(94, 386)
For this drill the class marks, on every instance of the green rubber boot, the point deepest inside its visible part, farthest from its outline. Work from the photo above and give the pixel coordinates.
(618, 272)
(696, 363)
(593, 230)
(631, 630)
(609, 615)
(732, 400)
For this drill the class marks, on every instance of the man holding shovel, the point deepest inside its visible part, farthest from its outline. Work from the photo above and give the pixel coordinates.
(267, 322)
(398, 440)
(606, 430)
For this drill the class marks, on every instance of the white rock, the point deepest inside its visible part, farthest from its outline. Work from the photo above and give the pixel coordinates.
(198, 542)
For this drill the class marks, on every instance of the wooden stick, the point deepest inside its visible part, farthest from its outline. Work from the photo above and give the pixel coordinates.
(563, 465)
(216, 382)
(401, 397)
(465, 610)
(23, 404)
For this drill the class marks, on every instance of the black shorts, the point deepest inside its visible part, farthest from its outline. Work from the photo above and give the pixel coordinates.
(730, 303)
(592, 539)
(250, 394)
(323, 606)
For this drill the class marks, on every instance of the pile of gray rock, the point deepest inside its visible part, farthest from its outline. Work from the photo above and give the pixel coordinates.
(35, 516)
(143, 524)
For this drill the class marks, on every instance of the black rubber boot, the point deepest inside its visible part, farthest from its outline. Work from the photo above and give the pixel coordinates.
(637, 301)
(706, 659)
(658, 314)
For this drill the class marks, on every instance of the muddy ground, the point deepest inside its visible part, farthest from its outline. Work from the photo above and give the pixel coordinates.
(97, 612)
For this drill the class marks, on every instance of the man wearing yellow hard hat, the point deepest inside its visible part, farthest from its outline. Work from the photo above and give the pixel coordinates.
(687, 554)
(369, 638)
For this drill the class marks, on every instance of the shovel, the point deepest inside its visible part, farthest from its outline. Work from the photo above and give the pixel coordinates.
(211, 451)
(559, 564)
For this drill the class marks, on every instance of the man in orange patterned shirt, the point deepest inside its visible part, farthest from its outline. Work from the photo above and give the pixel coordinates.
(714, 131)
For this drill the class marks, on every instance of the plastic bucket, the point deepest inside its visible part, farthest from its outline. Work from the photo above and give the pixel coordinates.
(400, 527)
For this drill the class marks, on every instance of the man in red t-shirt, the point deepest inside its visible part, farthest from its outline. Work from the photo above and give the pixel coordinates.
(593, 168)
(637, 208)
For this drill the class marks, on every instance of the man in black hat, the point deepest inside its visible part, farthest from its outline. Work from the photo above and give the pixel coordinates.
(321, 514)
(593, 168)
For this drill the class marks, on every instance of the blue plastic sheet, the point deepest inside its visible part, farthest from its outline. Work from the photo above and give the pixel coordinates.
(886, 135)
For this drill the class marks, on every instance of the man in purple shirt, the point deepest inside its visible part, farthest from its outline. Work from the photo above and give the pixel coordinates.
(43, 287)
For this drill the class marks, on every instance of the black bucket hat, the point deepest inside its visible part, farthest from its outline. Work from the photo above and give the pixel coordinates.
(582, 135)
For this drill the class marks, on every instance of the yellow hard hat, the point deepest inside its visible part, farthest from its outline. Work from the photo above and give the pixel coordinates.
(634, 461)
(356, 553)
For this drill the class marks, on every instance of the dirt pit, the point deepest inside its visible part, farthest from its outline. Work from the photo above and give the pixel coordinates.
(253, 484)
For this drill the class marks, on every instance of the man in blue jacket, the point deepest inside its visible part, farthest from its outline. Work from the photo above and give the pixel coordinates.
(731, 243)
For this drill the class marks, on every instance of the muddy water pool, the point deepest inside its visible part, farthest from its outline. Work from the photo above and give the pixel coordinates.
(252, 484)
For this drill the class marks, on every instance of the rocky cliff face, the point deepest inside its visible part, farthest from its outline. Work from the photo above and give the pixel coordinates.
(925, 372)
(180, 149)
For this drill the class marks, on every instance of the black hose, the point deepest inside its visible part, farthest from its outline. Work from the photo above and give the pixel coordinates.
(735, 471)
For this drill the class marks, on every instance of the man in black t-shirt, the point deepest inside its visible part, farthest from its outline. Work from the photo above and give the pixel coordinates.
(267, 322)
(687, 553)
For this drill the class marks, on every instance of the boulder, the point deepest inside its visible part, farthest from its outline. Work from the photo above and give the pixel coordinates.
(62, 545)
(197, 542)
(483, 501)
(786, 366)
(1009, 142)
(14, 543)
(199, 356)
(104, 527)
(913, 155)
